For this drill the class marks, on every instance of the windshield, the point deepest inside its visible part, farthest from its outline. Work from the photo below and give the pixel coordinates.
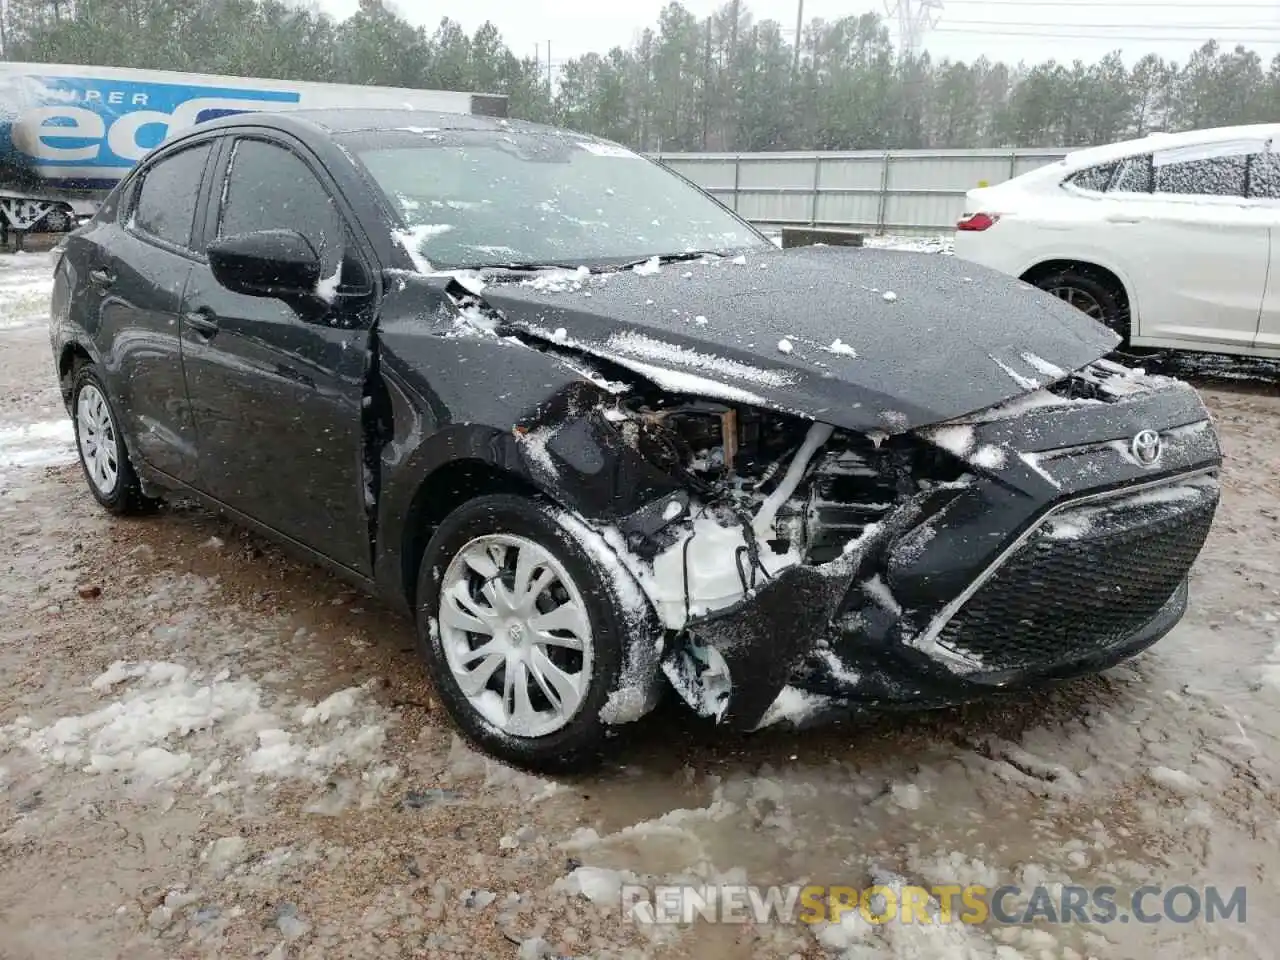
(473, 198)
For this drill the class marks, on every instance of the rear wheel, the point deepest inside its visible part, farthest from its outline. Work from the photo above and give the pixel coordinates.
(103, 456)
(1091, 295)
(522, 632)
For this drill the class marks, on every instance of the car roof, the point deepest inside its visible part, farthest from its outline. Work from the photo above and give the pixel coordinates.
(349, 120)
(1167, 141)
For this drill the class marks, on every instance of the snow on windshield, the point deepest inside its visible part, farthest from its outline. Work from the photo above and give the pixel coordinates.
(544, 198)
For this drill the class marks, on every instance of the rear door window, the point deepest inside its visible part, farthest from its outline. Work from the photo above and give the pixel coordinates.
(269, 187)
(165, 201)
(1209, 177)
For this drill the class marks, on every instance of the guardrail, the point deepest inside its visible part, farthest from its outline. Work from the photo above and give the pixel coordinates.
(881, 191)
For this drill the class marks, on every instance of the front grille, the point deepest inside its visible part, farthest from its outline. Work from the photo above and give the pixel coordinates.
(1089, 578)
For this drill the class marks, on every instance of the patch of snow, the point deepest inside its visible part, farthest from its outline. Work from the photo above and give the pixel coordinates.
(327, 287)
(700, 320)
(1025, 382)
(784, 345)
(989, 457)
(600, 885)
(557, 280)
(534, 447)
(560, 334)
(1040, 365)
(672, 510)
(649, 268)
(740, 260)
(793, 705)
(879, 591)
(639, 345)
(956, 440)
(839, 670)
(678, 381)
(1032, 460)
(890, 297)
(841, 349)
(41, 444)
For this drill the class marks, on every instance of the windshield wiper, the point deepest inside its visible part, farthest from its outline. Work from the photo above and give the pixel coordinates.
(528, 266)
(671, 258)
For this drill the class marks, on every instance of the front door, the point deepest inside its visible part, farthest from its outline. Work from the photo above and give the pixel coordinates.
(276, 389)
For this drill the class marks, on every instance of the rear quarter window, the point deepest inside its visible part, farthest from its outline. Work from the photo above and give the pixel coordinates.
(1093, 179)
(1132, 175)
(1264, 176)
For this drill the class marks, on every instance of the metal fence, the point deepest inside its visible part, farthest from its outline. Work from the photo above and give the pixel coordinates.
(885, 191)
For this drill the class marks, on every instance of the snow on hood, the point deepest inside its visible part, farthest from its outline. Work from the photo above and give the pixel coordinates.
(954, 340)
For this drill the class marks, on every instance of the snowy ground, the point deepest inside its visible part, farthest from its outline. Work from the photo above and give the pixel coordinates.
(209, 750)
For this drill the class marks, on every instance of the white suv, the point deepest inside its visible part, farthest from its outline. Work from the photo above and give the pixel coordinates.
(1173, 241)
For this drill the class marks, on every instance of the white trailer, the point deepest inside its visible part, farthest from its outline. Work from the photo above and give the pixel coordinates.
(68, 134)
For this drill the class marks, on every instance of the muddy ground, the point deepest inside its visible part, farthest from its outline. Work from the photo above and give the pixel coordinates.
(207, 749)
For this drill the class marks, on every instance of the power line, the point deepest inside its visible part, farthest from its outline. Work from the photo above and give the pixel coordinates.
(1001, 24)
(1110, 38)
(1118, 4)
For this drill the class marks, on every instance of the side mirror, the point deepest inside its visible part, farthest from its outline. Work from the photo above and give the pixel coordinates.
(266, 263)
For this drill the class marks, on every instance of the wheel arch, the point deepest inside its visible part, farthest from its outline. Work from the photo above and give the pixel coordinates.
(1097, 271)
(438, 494)
(71, 357)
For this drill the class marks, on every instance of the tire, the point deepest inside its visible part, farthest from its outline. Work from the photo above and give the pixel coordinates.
(1092, 295)
(545, 738)
(101, 447)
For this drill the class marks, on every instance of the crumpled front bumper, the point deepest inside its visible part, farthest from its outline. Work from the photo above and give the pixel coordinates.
(1070, 558)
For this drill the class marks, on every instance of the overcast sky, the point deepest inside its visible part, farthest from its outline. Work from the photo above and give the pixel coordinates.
(1033, 30)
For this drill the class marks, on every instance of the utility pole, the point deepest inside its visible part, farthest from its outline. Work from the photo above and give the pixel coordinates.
(549, 69)
(795, 62)
(706, 84)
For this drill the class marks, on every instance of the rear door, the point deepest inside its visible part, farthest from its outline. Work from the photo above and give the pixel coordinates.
(1264, 191)
(1201, 251)
(134, 272)
(276, 388)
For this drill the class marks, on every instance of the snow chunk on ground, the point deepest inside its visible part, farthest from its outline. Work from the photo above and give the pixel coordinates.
(1176, 780)
(600, 885)
(784, 345)
(890, 296)
(841, 349)
(37, 444)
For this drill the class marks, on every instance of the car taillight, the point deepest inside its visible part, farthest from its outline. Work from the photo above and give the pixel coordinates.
(977, 221)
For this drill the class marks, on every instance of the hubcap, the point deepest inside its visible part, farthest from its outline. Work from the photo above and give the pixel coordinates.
(1081, 300)
(515, 634)
(96, 434)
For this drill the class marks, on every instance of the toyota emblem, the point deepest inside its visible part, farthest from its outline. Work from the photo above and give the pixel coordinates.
(1147, 448)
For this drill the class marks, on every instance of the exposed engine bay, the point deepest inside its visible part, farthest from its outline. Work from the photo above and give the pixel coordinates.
(766, 492)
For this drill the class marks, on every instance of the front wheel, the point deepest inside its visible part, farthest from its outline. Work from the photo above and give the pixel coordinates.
(103, 456)
(523, 632)
(1092, 296)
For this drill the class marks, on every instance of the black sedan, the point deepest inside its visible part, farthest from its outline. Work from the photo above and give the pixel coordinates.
(601, 438)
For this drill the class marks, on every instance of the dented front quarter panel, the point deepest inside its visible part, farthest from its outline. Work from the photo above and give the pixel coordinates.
(460, 393)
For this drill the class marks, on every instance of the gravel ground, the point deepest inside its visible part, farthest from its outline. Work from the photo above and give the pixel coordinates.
(207, 749)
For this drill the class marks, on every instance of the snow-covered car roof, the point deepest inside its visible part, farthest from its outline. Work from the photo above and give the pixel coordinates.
(1166, 141)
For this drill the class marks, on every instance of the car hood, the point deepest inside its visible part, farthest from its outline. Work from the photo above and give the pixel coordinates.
(868, 340)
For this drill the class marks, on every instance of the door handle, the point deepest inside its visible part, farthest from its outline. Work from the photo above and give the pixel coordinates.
(100, 277)
(203, 322)
(1115, 218)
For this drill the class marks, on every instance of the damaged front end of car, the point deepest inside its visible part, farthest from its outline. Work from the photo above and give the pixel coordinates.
(744, 528)
(797, 569)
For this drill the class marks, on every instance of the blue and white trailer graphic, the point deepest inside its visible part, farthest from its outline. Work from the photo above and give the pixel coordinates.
(68, 134)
